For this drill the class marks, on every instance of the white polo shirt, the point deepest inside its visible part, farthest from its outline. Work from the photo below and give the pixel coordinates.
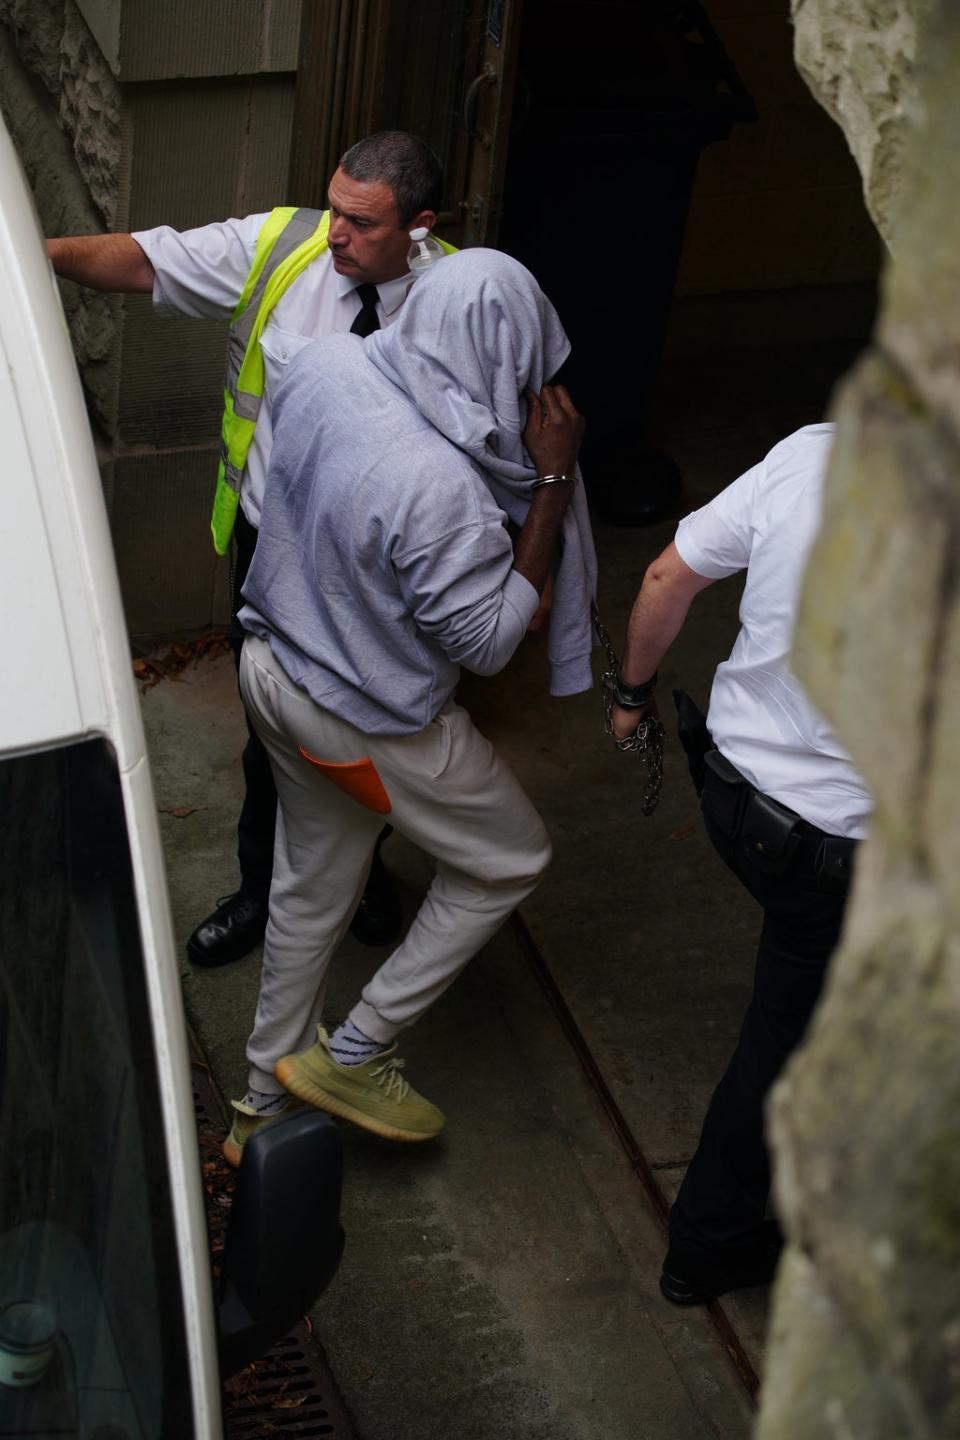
(759, 717)
(202, 272)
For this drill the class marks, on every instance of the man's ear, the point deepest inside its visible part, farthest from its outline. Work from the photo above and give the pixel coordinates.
(427, 219)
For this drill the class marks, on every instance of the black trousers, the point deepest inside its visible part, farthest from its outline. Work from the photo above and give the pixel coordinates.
(724, 1193)
(258, 815)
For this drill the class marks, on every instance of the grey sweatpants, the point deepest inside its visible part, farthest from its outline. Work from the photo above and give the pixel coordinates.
(448, 791)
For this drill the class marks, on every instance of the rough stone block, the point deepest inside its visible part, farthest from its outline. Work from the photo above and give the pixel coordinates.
(865, 1130)
(44, 150)
(819, 1384)
(53, 44)
(858, 57)
(90, 106)
(95, 323)
(920, 320)
(867, 633)
(65, 207)
(37, 29)
(941, 821)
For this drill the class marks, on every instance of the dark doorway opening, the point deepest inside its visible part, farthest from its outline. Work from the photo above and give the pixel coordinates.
(658, 139)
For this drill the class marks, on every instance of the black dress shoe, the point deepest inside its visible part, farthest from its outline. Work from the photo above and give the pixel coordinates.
(379, 918)
(686, 1281)
(231, 932)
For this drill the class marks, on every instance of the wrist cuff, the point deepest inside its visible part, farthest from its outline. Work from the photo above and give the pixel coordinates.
(632, 697)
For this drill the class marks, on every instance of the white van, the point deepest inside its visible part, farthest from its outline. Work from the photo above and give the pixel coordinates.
(109, 1326)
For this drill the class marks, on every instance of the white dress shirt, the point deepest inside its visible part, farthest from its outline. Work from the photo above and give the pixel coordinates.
(760, 718)
(202, 272)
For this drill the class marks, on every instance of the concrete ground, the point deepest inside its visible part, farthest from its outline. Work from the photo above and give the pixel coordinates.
(504, 1280)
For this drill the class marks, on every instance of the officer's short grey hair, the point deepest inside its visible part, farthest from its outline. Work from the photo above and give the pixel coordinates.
(403, 162)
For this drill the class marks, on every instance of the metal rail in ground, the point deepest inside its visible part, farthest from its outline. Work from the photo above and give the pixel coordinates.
(627, 1140)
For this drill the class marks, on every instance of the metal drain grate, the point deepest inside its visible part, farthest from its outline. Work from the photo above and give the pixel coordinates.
(283, 1394)
(289, 1391)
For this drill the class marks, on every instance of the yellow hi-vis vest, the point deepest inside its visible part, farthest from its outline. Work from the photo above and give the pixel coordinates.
(288, 241)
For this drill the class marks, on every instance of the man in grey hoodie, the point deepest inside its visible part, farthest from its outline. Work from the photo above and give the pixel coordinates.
(383, 564)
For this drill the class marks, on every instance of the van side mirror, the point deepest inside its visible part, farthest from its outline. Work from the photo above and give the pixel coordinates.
(284, 1238)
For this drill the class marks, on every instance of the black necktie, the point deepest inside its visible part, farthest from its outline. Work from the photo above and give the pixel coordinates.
(366, 319)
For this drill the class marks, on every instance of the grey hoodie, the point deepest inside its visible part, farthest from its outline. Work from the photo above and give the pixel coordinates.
(465, 337)
(383, 562)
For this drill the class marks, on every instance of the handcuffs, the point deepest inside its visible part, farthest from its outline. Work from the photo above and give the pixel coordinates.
(647, 739)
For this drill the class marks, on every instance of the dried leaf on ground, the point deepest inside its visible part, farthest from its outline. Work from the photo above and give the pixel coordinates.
(167, 662)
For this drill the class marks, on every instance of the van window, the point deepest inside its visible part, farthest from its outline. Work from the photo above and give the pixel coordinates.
(86, 1228)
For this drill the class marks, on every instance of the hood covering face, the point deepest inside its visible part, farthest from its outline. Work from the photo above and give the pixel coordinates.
(474, 333)
(471, 337)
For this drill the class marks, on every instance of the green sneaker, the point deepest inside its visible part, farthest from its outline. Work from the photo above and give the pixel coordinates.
(245, 1121)
(373, 1095)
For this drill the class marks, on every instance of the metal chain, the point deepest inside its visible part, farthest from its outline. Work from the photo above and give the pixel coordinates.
(646, 741)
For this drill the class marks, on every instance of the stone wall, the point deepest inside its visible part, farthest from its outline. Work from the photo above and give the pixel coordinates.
(858, 57)
(105, 146)
(62, 107)
(865, 1340)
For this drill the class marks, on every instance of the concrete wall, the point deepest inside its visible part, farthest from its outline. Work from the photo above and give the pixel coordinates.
(129, 114)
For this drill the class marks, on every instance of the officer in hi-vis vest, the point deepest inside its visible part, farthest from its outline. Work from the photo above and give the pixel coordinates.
(281, 279)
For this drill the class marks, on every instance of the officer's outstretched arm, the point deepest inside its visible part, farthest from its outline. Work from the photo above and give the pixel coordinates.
(659, 611)
(104, 262)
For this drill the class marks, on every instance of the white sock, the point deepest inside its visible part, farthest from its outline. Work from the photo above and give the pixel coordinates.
(349, 1046)
(265, 1104)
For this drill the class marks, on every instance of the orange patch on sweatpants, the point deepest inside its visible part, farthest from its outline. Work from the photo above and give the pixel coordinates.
(359, 779)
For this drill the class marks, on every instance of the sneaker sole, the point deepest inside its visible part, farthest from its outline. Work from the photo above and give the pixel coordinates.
(291, 1079)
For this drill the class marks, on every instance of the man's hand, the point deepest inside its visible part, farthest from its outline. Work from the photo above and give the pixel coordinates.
(552, 435)
(625, 722)
(554, 430)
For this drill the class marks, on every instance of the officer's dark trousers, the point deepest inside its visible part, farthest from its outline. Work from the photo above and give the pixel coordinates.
(724, 1192)
(258, 817)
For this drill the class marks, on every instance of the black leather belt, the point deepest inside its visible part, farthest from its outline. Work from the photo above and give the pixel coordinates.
(773, 835)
